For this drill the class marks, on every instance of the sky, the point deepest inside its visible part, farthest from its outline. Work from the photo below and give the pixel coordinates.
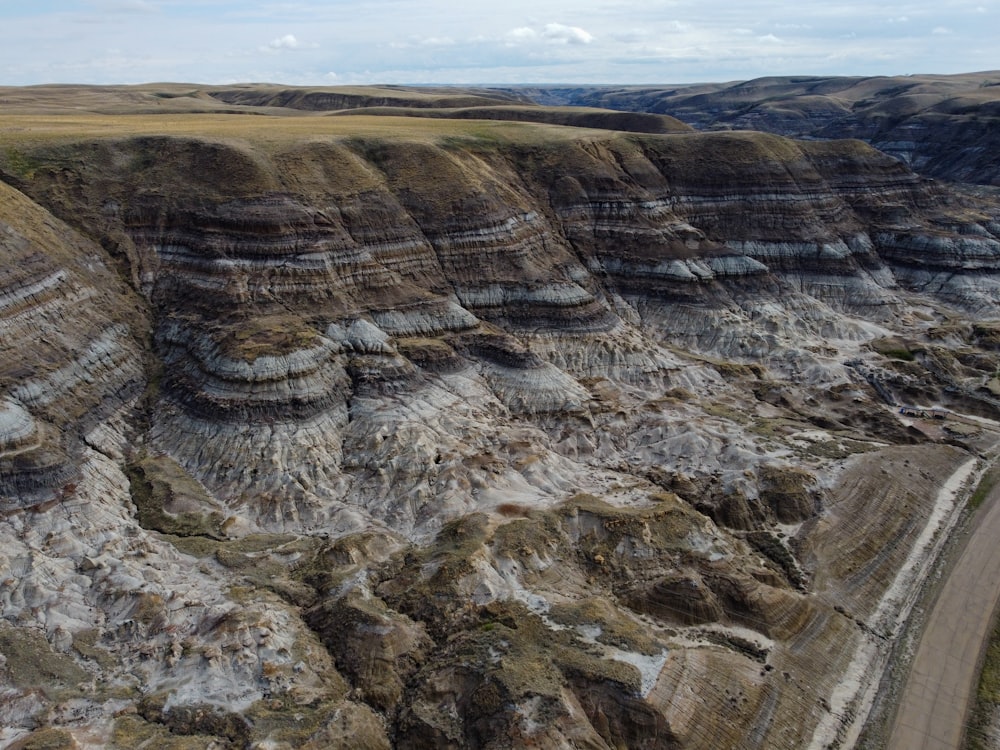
(339, 42)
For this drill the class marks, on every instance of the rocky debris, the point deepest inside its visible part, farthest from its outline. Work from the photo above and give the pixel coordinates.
(427, 439)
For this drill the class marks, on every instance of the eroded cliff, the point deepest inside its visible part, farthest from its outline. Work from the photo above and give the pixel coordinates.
(378, 432)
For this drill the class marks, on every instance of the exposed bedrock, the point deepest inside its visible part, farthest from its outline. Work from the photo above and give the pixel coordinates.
(71, 349)
(468, 442)
(305, 280)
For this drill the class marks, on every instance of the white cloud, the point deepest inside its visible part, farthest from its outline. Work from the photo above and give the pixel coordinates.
(288, 41)
(521, 34)
(596, 41)
(551, 33)
(560, 34)
(438, 41)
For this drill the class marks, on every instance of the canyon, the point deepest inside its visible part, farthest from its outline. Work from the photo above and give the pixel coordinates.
(437, 418)
(944, 126)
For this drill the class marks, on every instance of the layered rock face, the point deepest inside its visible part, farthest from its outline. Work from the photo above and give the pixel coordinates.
(435, 439)
(73, 358)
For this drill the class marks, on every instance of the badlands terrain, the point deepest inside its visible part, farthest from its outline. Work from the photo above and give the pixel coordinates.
(388, 418)
(943, 126)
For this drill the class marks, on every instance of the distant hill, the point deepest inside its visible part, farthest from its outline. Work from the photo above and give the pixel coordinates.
(273, 99)
(943, 126)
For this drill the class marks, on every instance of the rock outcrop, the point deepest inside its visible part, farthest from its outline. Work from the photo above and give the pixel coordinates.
(414, 436)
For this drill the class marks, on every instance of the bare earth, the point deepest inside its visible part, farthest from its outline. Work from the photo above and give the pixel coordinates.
(938, 691)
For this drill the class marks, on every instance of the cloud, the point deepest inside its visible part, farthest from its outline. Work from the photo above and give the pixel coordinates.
(560, 34)
(288, 41)
(551, 33)
(520, 34)
(606, 41)
(437, 41)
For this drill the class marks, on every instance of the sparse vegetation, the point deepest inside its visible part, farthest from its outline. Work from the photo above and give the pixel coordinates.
(987, 335)
(32, 664)
(771, 547)
(725, 411)
(836, 449)
(983, 489)
(986, 709)
(894, 348)
(267, 335)
(20, 164)
(735, 370)
(46, 739)
(154, 482)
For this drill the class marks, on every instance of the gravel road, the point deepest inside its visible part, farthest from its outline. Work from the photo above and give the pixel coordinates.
(942, 680)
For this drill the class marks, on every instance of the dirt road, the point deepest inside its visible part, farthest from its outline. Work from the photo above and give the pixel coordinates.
(943, 675)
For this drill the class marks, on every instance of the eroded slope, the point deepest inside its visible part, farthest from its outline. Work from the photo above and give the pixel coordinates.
(439, 434)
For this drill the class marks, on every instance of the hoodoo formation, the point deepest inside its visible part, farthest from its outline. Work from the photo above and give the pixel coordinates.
(493, 426)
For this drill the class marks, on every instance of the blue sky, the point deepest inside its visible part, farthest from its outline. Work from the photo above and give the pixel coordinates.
(506, 41)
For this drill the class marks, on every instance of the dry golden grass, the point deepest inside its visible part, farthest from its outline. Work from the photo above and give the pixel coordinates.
(153, 98)
(35, 224)
(29, 130)
(51, 115)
